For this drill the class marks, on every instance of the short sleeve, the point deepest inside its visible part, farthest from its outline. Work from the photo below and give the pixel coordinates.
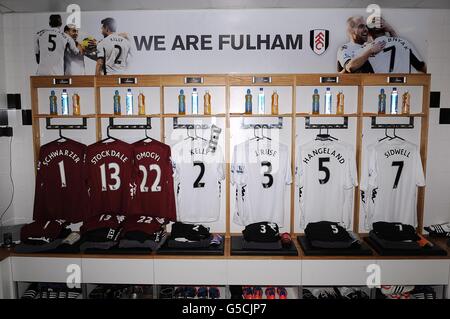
(100, 50)
(343, 55)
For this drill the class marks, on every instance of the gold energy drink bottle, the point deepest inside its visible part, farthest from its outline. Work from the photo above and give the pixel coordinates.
(340, 103)
(275, 103)
(76, 104)
(406, 103)
(207, 103)
(141, 104)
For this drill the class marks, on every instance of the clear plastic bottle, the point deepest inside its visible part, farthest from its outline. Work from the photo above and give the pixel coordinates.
(117, 107)
(328, 105)
(274, 102)
(248, 102)
(141, 104)
(181, 103)
(261, 102)
(382, 102)
(64, 102)
(53, 103)
(316, 102)
(340, 103)
(406, 103)
(394, 101)
(129, 103)
(76, 104)
(194, 100)
(207, 103)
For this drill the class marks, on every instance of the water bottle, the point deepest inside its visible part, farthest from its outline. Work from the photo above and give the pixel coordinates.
(248, 102)
(275, 103)
(76, 104)
(394, 101)
(316, 102)
(340, 103)
(129, 103)
(65, 102)
(117, 108)
(181, 103)
(382, 102)
(261, 102)
(328, 101)
(141, 104)
(207, 103)
(53, 103)
(194, 100)
(406, 103)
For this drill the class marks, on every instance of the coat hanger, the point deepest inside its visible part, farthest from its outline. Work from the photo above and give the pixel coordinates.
(325, 137)
(385, 136)
(109, 137)
(188, 127)
(195, 133)
(146, 137)
(256, 137)
(61, 138)
(262, 132)
(396, 136)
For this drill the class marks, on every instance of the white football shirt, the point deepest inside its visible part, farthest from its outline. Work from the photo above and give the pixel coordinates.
(392, 172)
(397, 56)
(73, 63)
(51, 46)
(115, 50)
(347, 52)
(198, 173)
(260, 171)
(326, 176)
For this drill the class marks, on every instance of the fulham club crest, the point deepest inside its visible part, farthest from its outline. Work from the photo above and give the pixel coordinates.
(319, 40)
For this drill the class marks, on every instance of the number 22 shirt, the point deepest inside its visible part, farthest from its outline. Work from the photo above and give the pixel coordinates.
(109, 177)
(392, 171)
(326, 175)
(198, 172)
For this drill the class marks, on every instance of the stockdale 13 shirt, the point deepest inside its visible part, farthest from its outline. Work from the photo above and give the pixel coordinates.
(153, 190)
(326, 175)
(51, 45)
(115, 50)
(260, 170)
(60, 191)
(392, 171)
(397, 56)
(198, 174)
(109, 174)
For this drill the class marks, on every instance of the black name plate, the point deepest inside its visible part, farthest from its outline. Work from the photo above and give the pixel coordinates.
(66, 81)
(329, 79)
(127, 80)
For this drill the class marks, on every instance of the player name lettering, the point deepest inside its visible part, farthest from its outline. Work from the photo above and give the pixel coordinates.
(397, 151)
(57, 153)
(268, 151)
(117, 39)
(324, 151)
(151, 155)
(108, 153)
(198, 150)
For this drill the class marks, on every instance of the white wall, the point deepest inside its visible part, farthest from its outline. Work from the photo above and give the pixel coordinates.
(18, 31)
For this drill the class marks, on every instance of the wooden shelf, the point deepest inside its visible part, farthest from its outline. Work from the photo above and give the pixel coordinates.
(247, 80)
(171, 115)
(64, 116)
(326, 115)
(87, 81)
(127, 116)
(315, 79)
(394, 115)
(382, 79)
(260, 115)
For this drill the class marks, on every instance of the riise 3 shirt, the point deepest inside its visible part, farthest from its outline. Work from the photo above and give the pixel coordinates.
(392, 171)
(198, 175)
(260, 171)
(109, 168)
(153, 190)
(60, 191)
(326, 176)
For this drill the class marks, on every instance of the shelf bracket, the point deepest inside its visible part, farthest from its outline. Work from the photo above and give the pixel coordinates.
(177, 126)
(376, 125)
(50, 126)
(308, 124)
(278, 125)
(147, 126)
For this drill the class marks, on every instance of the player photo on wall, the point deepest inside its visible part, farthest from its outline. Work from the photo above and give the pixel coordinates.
(376, 48)
(67, 50)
